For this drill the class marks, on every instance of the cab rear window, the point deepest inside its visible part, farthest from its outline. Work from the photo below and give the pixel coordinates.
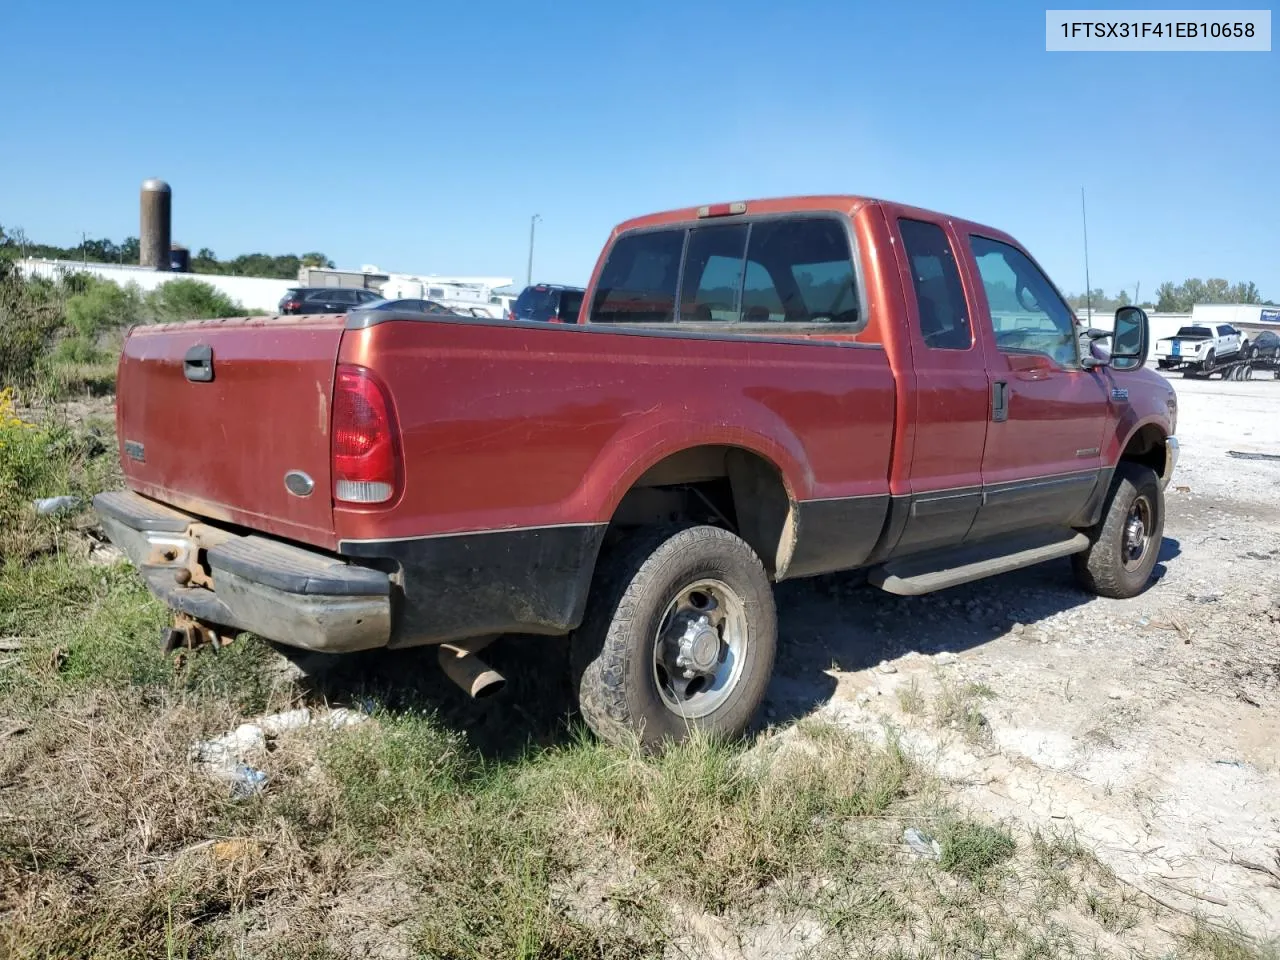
(779, 270)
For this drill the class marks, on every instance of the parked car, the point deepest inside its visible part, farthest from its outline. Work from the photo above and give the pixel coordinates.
(1200, 347)
(325, 299)
(406, 303)
(1265, 346)
(389, 478)
(548, 303)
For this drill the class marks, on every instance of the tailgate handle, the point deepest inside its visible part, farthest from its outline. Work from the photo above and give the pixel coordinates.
(197, 365)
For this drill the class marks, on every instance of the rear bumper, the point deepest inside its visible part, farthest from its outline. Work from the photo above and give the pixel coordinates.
(304, 598)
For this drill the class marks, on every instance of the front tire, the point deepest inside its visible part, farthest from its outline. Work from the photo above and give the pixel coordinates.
(679, 636)
(1125, 545)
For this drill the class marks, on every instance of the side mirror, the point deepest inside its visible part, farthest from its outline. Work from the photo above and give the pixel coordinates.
(1131, 339)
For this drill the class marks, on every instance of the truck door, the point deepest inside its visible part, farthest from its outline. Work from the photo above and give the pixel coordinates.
(1047, 413)
(951, 390)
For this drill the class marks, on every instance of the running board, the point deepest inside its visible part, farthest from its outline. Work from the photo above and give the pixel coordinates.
(912, 576)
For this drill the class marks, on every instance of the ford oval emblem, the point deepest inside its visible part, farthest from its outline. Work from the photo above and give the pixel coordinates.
(298, 483)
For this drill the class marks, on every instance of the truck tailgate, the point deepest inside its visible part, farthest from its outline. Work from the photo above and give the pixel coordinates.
(221, 447)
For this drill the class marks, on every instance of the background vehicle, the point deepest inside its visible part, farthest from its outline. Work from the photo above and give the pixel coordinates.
(754, 392)
(421, 306)
(1199, 347)
(1265, 346)
(548, 303)
(325, 299)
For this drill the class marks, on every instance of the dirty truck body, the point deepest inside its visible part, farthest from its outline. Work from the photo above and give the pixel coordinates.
(753, 392)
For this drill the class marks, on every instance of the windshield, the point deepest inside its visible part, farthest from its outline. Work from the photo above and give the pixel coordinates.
(1195, 333)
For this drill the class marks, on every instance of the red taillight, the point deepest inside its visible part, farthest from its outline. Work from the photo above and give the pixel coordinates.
(292, 304)
(511, 314)
(366, 443)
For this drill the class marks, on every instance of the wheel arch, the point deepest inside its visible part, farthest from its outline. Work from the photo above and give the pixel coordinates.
(1147, 445)
(744, 485)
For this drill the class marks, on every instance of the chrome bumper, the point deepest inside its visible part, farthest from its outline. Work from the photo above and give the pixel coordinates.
(291, 594)
(1170, 460)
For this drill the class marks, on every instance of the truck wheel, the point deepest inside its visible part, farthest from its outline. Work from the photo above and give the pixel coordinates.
(679, 635)
(1208, 362)
(1124, 547)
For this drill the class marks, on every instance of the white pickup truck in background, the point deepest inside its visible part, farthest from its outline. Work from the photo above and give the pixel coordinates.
(1200, 347)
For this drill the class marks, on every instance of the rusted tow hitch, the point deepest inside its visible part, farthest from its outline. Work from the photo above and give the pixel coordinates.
(188, 633)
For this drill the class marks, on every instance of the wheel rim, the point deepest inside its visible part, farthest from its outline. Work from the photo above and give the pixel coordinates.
(700, 647)
(1136, 542)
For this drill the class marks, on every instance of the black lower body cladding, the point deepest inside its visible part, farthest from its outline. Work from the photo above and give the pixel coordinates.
(528, 580)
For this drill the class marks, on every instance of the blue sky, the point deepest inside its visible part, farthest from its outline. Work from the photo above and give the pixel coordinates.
(421, 136)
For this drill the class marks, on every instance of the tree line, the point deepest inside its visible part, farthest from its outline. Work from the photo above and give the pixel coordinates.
(14, 243)
(1173, 297)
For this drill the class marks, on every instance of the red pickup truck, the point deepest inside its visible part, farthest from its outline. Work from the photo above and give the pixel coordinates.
(753, 392)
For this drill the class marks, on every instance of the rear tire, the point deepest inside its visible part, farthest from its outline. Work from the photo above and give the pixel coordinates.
(698, 593)
(1125, 545)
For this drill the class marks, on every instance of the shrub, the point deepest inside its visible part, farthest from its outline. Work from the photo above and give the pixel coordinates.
(102, 306)
(76, 349)
(30, 315)
(189, 300)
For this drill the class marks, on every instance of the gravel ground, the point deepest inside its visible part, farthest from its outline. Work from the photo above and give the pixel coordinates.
(1148, 729)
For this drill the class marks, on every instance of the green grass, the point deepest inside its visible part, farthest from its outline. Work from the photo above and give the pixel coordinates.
(973, 850)
(403, 834)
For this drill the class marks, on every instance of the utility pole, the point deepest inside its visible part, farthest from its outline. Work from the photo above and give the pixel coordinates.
(1088, 293)
(84, 254)
(532, 223)
(1137, 293)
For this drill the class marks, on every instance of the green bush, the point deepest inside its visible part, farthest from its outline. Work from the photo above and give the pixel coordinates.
(30, 315)
(77, 349)
(101, 307)
(189, 300)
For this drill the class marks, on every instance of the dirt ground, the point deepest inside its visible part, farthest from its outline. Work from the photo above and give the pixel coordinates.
(1149, 728)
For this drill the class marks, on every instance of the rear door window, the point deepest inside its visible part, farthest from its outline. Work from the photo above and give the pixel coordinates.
(800, 270)
(638, 282)
(940, 304)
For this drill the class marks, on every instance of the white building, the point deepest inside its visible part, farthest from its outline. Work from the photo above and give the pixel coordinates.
(1246, 316)
(257, 294)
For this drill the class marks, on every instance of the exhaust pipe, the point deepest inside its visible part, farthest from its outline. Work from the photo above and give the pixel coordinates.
(461, 665)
